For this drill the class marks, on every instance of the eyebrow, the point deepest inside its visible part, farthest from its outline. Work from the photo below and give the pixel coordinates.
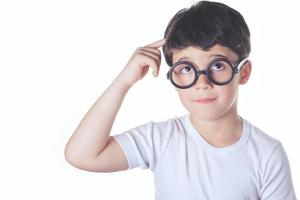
(220, 55)
(212, 56)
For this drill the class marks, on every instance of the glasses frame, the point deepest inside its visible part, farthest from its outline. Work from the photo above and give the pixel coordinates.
(235, 69)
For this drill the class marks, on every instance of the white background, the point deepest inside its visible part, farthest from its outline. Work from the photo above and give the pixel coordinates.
(57, 57)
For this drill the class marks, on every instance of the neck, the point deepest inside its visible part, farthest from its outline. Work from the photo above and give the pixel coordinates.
(220, 132)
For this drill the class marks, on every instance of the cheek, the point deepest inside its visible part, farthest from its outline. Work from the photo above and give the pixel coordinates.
(186, 100)
(184, 97)
(227, 94)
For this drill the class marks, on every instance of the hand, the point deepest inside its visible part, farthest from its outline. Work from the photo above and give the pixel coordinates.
(139, 63)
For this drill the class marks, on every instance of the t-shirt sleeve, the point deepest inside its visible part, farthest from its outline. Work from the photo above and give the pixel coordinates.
(143, 145)
(277, 180)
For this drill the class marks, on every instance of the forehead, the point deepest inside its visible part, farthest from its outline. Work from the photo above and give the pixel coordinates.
(200, 56)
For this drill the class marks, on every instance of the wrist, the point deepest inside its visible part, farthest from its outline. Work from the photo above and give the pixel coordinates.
(121, 83)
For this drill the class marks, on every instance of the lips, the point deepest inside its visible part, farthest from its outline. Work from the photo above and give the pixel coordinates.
(205, 100)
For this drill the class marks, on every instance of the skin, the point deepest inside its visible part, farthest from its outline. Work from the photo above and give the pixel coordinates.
(217, 122)
(93, 149)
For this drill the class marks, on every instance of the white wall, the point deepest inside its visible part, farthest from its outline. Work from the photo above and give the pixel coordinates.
(57, 57)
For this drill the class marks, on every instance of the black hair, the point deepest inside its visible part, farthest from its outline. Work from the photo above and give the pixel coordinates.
(205, 24)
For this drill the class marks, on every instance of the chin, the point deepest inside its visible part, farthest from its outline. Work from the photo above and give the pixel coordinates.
(208, 114)
(205, 116)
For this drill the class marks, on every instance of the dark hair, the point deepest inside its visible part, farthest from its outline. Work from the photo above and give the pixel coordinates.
(205, 24)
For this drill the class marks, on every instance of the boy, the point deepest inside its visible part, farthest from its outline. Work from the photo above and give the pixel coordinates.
(209, 153)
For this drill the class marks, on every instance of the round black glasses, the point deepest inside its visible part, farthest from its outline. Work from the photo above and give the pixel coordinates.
(219, 71)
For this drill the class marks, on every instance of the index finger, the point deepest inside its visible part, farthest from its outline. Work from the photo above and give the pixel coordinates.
(157, 44)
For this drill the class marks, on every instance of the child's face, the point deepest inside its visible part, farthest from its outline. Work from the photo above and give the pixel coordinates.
(225, 96)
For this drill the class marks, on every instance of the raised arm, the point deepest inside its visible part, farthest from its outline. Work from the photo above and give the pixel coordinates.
(91, 147)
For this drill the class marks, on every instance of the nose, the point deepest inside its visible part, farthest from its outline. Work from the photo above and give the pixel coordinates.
(202, 82)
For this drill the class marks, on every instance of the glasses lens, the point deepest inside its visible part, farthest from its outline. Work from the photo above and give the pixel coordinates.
(183, 74)
(220, 71)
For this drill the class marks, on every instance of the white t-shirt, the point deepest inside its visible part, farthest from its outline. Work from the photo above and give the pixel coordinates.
(187, 167)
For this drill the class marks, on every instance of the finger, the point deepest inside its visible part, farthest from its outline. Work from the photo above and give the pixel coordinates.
(149, 61)
(151, 54)
(153, 50)
(157, 44)
(157, 58)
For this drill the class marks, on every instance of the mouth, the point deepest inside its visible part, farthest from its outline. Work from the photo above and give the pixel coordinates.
(205, 100)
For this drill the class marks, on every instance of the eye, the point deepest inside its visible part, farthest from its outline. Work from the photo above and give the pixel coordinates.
(185, 69)
(218, 66)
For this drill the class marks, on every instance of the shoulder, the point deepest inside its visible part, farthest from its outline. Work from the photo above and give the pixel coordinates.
(145, 144)
(167, 129)
(156, 131)
(264, 147)
(165, 125)
(271, 147)
(173, 124)
(262, 140)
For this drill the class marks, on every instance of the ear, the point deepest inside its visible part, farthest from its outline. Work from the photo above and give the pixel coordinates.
(245, 72)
